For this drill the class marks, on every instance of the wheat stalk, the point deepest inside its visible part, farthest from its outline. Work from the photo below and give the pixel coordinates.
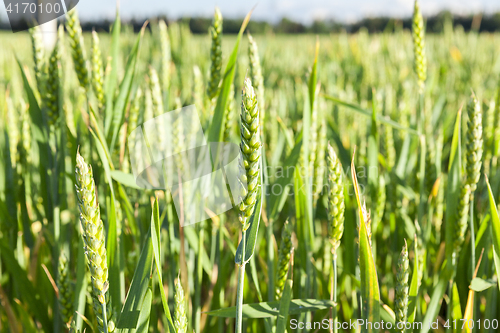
(249, 166)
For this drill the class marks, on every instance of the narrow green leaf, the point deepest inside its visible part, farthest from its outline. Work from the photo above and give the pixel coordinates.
(313, 79)
(24, 286)
(130, 313)
(251, 234)
(370, 293)
(124, 178)
(124, 93)
(144, 315)
(156, 243)
(453, 188)
(413, 294)
(456, 309)
(455, 142)
(495, 228)
(112, 236)
(39, 130)
(437, 296)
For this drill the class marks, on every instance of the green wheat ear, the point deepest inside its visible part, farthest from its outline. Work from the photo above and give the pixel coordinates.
(166, 54)
(249, 162)
(53, 81)
(401, 301)
(418, 30)
(474, 145)
(390, 150)
(215, 55)
(320, 163)
(97, 71)
(256, 73)
(198, 93)
(229, 113)
(496, 133)
(461, 217)
(154, 85)
(336, 205)
(180, 315)
(65, 292)
(77, 47)
(38, 56)
(284, 253)
(94, 242)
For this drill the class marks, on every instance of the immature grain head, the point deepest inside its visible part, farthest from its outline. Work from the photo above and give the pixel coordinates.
(229, 113)
(148, 105)
(154, 85)
(335, 200)
(65, 299)
(401, 298)
(166, 54)
(94, 241)
(418, 30)
(437, 216)
(249, 162)
(215, 55)
(135, 110)
(284, 253)
(53, 83)
(180, 315)
(474, 145)
(256, 73)
(77, 47)
(198, 93)
(496, 135)
(319, 163)
(380, 202)
(25, 138)
(133, 120)
(389, 147)
(462, 214)
(38, 55)
(97, 71)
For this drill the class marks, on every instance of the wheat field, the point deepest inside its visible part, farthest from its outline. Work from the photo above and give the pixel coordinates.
(370, 163)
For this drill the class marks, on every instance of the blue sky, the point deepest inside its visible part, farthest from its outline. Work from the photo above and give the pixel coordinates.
(301, 10)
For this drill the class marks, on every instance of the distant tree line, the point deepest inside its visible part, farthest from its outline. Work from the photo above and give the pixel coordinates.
(435, 24)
